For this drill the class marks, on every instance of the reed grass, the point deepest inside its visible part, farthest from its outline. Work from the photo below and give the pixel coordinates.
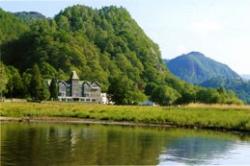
(198, 116)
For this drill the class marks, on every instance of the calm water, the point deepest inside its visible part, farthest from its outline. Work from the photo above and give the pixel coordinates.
(66, 144)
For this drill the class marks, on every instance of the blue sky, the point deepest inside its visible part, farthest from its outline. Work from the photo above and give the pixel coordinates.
(218, 28)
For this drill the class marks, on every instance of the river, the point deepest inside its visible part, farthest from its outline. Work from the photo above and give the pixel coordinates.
(42, 144)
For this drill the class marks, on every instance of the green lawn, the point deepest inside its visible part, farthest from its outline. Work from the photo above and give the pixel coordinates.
(214, 117)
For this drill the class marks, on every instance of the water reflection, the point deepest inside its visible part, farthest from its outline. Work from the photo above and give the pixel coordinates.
(64, 144)
(196, 150)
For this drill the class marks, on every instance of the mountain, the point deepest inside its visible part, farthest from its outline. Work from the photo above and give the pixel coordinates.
(104, 45)
(196, 68)
(245, 77)
(29, 16)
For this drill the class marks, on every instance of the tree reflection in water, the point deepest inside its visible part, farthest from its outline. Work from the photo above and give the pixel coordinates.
(65, 144)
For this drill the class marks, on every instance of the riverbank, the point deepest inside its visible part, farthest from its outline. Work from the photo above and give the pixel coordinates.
(195, 116)
(72, 120)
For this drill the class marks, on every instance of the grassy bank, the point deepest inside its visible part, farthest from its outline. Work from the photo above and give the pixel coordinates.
(200, 116)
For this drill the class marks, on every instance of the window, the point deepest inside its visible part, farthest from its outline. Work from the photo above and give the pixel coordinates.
(93, 90)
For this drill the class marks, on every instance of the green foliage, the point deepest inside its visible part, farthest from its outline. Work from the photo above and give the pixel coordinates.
(53, 88)
(240, 87)
(217, 96)
(208, 96)
(98, 44)
(165, 95)
(150, 88)
(11, 27)
(15, 87)
(38, 88)
(4, 78)
(124, 91)
(45, 94)
(26, 77)
(47, 70)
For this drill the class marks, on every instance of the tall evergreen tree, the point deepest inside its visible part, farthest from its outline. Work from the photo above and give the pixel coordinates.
(38, 89)
(3, 80)
(45, 95)
(53, 89)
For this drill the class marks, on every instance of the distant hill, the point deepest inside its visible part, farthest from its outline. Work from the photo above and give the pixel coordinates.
(196, 68)
(245, 77)
(11, 27)
(29, 16)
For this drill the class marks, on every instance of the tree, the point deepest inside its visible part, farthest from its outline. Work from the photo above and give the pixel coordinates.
(208, 96)
(26, 77)
(38, 89)
(150, 88)
(165, 95)
(124, 91)
(53, 88)
(45, 91)
(227, 97)
(15, 87)
(3, 80)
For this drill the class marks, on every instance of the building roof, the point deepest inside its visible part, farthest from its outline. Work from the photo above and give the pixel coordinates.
(74, 76)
